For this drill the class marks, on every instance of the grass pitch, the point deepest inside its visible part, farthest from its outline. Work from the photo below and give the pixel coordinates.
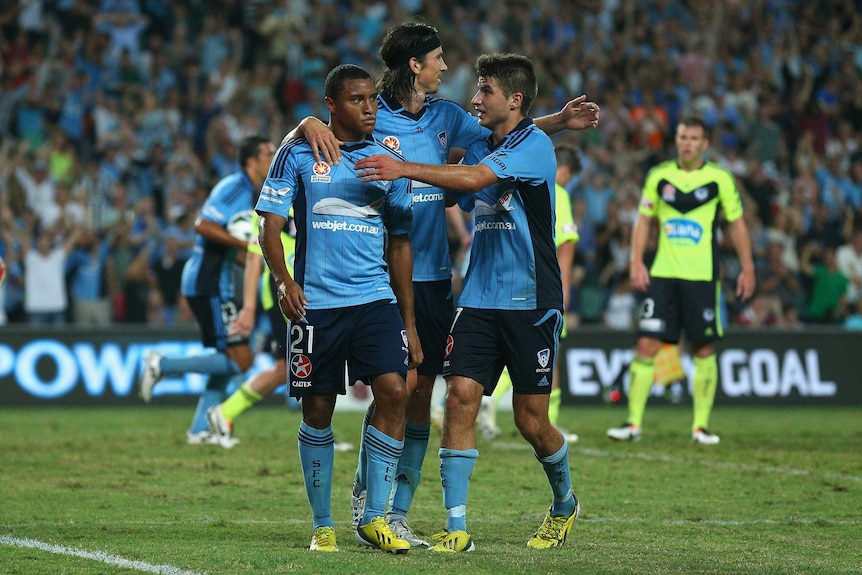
(117, 490)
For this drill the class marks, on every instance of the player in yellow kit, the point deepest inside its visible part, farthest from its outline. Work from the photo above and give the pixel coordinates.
(686, 195)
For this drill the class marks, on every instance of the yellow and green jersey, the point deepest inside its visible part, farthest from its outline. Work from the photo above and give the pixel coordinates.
(267, 298)
(565, 229)
(686, 205)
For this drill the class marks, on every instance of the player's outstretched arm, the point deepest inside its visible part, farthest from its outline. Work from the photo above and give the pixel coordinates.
(320, 138)
(448, 176)
(577, 114)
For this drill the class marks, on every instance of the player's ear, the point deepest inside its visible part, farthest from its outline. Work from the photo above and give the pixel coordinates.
(330, 104)
(515, 101)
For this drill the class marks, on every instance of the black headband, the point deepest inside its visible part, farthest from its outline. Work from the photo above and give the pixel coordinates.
(420, 49)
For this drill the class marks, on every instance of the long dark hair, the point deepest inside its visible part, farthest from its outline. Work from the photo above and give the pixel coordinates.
(399, 45)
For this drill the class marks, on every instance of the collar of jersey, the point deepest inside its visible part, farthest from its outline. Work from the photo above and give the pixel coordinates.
(522, 125)
(351, 146)
(395, 106)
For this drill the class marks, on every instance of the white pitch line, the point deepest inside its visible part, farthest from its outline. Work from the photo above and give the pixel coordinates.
(95, 556)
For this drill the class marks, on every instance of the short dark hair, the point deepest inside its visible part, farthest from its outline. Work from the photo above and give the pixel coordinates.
(514, 73)
(404, 40)
(249, 148)
(695, 121)
(568, 155)
(339, 75)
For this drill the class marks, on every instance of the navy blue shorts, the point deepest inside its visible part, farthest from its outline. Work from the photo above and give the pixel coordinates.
(370, 339)
(214, 315)
(434, 307)
(482, 341)
(672, 305)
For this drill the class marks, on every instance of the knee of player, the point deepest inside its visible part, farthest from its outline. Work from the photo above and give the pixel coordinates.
(532, 426)
(390, 392)
(648, 347)
(702, 350)
(317, 410)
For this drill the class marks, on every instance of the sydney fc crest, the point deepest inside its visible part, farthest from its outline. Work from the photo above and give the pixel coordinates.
(544, 356)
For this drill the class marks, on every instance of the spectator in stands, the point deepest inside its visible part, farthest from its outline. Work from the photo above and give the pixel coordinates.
(621, 308)
(825, 229)
(137, 282)
(836, 189)
(786, 230)
(828, 300)
(849, 261)
(778, 289)
(33, 176)
(91, 281)
(45, 298)
(123, 24)
(168, 269)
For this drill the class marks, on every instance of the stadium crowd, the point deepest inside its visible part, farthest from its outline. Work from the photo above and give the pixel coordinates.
(118, 116)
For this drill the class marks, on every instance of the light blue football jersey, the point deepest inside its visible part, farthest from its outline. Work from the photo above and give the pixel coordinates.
(208, 271)
(427, 137)
(513, 259)
(341, 222)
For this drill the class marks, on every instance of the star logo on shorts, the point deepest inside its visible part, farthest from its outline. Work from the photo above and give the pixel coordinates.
(300, 366)
(450, 343)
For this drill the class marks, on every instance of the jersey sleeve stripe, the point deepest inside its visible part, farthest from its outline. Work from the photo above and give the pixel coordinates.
(238, 189)
(283, 154)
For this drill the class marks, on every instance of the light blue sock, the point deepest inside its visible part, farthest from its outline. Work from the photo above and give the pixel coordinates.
(456, 467)
(316, 454)
(560, 477)
(383, 454)
(409, 468)
(213, 394)
(360, 480)
(212, 363)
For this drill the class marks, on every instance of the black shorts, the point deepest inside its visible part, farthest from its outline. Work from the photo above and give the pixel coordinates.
(672, 305)
(214, 316)
(434, 307)
(482, 341)
(370, 339)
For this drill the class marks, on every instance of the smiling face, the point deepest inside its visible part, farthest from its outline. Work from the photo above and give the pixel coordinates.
(429, 72)
(353, 111)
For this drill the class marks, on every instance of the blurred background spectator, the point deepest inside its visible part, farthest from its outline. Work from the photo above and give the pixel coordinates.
(116, 117)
